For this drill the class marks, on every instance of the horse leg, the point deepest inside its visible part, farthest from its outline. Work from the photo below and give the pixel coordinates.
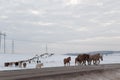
(75, 62)
(90, 62)
(98, 61)
(85, 62)
(94, 62)
(82, 62)
(68, 63)
(65, 64)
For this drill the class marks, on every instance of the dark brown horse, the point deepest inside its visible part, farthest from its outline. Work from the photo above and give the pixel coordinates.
(67, 61)
(78, 60)
(82, 59)
(24, 65)
(6, 64)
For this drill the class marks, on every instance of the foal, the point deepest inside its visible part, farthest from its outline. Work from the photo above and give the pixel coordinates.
(67, 61)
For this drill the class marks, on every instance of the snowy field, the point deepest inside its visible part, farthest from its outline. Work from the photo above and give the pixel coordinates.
(48, 61)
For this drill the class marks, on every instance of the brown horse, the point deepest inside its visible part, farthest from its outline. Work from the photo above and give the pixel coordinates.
(95, 58)
(67, 61)
(82, 59)
(78, 60)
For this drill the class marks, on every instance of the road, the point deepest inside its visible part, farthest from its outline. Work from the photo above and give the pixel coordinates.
(55, 73)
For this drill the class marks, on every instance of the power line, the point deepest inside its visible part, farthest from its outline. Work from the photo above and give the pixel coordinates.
(30, 41)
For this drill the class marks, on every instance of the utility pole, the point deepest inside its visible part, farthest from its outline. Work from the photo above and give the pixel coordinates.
(0, 40)
(4, 43)
(4, 35)
(12, 46)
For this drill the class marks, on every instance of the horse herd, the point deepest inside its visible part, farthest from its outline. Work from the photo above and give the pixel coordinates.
(82, 59)
(23, 63)
(85, 59)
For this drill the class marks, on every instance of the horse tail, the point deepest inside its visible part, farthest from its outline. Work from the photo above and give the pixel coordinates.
(64, 61)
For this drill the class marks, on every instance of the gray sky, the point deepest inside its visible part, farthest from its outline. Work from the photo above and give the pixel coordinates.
(65, 25)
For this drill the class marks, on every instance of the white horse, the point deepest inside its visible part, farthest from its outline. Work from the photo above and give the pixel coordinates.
(39, 65)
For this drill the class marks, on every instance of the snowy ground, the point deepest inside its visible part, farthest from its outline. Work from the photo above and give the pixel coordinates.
(48, 61)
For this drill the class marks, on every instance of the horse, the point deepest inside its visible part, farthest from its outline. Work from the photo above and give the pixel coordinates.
(82, 58)
(100, 58)
(39, 65)
(38, 61)
(20, 63)
(6, 64)
(29, 60)
(67, 61)
(78, 61)
(86, 58)
(24, 65)
(95, 58)
(16, 64)
(11, 63)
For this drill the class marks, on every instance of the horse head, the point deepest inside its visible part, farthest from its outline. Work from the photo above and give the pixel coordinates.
(69, 58)
(101, 57)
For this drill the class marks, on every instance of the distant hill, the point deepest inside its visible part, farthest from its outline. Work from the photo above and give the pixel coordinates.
(93, 52)
(104, 52)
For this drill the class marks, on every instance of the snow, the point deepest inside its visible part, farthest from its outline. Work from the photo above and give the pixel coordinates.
(112, 58)
(47, 60)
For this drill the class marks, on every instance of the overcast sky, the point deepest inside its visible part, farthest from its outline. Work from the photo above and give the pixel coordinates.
(64, 25)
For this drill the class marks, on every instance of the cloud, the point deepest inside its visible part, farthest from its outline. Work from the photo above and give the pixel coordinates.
(96, 41)
(83, 2)
(37, 12)
(82, 29)
(72, 2)
(87, 22)
(43, 23)
(3, 17)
